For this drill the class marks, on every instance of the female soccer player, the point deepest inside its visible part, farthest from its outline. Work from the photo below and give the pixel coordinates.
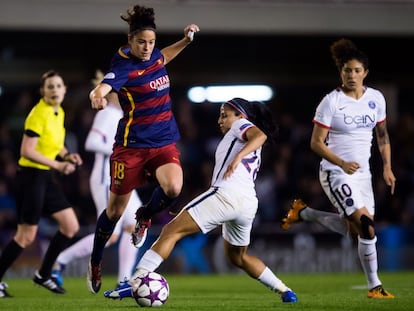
(342, 135)
(39, 194)
(147, 134)
(230, 202)
(100, 140)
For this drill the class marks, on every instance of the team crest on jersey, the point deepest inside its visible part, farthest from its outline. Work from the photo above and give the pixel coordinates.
(109, 75)
(243, 126)
(349, 202)
(372, 104)
(117, 183)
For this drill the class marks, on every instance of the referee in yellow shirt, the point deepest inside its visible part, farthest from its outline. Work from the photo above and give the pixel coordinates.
(39, 194)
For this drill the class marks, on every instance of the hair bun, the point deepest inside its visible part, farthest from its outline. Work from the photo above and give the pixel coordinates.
(139, 18)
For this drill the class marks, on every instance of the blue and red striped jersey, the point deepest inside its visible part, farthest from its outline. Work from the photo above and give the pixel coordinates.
(143, 90)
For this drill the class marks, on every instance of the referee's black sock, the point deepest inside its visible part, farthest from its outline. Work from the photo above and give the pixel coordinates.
(57, 244)
(8, 256)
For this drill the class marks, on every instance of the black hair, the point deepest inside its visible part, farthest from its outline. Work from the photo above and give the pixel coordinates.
(258, 113)
(140, 18)
(344, 50)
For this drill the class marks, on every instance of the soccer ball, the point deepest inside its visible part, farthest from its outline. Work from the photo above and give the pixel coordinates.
(150, 289)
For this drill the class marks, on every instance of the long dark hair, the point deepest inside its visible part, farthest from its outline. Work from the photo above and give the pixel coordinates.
(344, 50)
(258, 113)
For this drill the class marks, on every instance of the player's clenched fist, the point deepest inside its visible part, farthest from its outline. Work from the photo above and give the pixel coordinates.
(99, 103)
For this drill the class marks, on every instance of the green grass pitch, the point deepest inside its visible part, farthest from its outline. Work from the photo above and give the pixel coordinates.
(341, 291)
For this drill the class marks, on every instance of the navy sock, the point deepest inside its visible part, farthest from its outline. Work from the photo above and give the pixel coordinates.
(159, 201)
(104, 229)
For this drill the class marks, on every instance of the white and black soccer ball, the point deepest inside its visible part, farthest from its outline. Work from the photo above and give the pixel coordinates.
(150, 289)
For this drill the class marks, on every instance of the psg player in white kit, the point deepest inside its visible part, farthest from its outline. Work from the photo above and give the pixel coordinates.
(230, 202)
(100, 140)
(342, 135)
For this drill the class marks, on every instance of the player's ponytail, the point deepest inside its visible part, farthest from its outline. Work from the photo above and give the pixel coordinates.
(258, 113)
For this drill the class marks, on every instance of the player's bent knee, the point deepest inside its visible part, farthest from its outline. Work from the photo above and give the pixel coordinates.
(173, 191)
(236, 262)
(235, 258)
(25, 242)
(367, 227)
(69, 230)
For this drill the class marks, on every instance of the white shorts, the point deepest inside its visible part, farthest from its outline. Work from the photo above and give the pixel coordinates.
(348, 193)
(233, 211)
(100, 196)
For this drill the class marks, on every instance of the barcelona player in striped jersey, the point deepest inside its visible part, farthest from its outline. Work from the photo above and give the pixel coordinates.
(145, 142)
(100, 141)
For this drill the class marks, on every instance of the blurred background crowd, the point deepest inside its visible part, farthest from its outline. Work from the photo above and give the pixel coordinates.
(289, 169)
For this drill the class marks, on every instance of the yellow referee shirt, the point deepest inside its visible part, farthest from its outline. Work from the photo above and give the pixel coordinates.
(50, 127)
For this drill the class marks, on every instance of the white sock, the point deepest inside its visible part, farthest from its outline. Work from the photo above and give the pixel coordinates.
(331, 221)
(270, 280)
(127, 255)
(150, 261)
(367, 253)
(81, 248)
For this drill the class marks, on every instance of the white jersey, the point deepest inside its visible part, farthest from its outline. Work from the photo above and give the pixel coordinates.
(350, 122)
(231, 202)
(242, 179)
(100, 140)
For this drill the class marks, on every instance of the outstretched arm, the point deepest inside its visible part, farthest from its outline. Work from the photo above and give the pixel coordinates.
(171, 51)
